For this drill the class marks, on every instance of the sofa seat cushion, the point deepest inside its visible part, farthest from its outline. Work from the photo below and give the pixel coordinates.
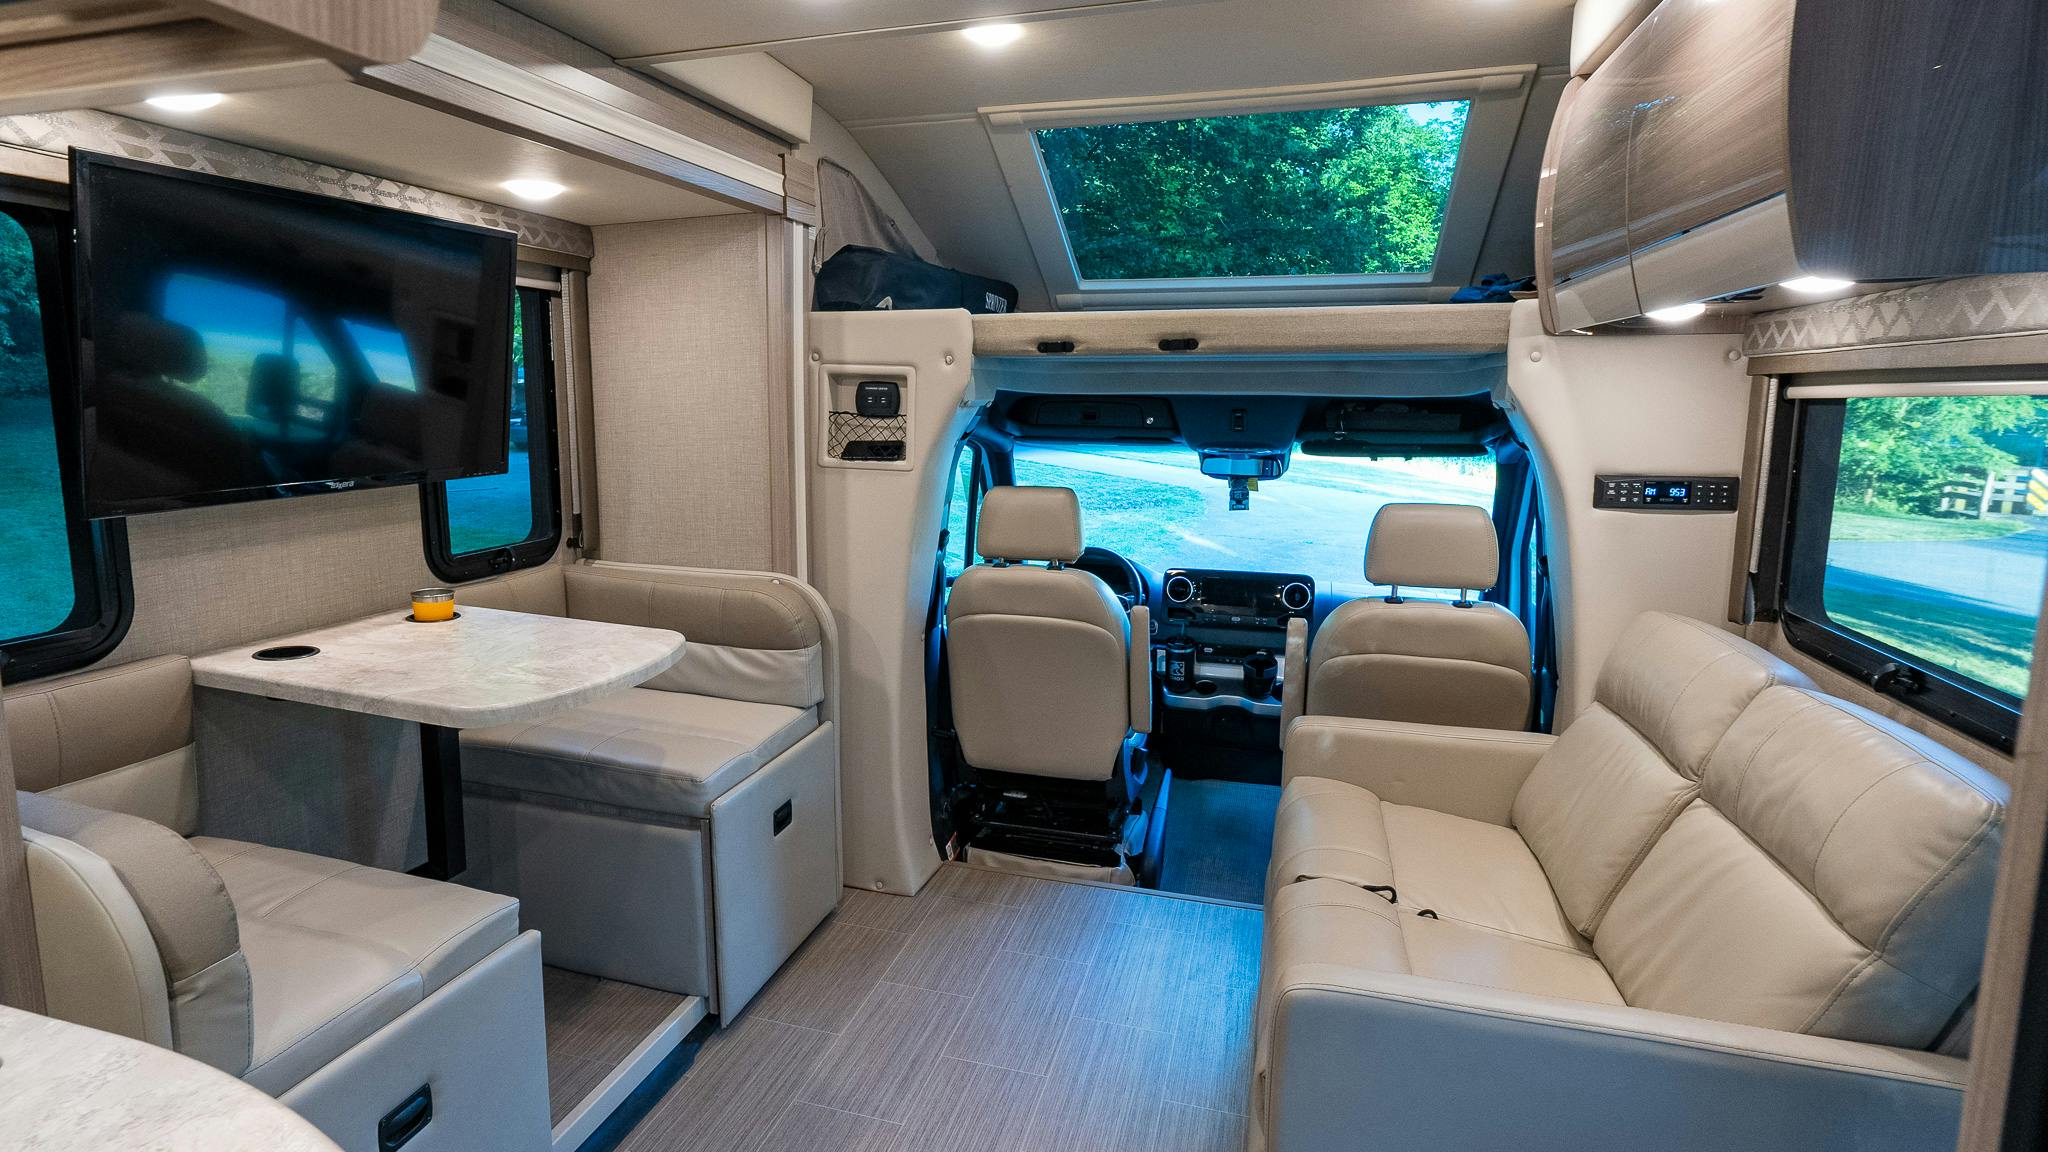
(337, 950)
(1462, 870)
(1327, 828)
(644, 749)
(1330, 922)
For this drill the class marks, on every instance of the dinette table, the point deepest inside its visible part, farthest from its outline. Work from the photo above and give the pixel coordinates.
(484, 668)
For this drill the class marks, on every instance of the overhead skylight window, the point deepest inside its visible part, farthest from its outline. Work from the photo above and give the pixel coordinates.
(1334, 192)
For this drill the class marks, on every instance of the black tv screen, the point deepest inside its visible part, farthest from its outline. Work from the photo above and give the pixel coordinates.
(239, 342)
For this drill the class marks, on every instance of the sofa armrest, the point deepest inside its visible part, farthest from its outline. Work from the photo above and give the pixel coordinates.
(1368, 1060)
(1469, 772)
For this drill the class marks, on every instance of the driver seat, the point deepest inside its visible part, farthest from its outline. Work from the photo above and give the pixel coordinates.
(1051, 679)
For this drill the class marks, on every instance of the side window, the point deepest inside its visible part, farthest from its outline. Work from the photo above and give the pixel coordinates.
(66, 580)
(485, 525)
(1920, 548)
(962, 495)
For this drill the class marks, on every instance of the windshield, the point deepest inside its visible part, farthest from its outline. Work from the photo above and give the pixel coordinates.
(1151, 503)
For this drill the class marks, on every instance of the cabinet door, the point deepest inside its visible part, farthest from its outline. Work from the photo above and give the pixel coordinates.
(1588, 247)
(1708, 136)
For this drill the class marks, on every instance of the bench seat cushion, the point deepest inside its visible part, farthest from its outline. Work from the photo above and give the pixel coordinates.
(1465, 871)
(643, 749)
(337, 950)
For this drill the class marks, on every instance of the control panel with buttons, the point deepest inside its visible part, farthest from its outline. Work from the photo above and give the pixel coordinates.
(1666, 493)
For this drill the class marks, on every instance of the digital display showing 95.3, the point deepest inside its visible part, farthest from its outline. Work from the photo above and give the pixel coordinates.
(1666, 493)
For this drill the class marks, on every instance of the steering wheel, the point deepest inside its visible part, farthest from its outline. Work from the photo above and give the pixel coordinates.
(1124, 578)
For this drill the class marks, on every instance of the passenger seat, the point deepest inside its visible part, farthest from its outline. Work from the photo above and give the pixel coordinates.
(1460, 662)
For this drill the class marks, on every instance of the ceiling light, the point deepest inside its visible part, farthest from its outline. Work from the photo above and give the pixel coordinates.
(533, 189)
(1817, 284)
(185, 102)
(994, 35)
(1674, 315)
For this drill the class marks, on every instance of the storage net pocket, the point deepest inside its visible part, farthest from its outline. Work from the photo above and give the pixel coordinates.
(876, 438)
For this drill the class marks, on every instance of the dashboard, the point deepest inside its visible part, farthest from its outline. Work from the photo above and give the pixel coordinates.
(1202, 598)
(1207, 623)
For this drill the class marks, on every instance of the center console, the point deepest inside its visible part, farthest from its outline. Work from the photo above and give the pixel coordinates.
(1222, 636)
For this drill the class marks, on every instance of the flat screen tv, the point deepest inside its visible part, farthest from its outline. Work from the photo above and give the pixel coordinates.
(241, 342)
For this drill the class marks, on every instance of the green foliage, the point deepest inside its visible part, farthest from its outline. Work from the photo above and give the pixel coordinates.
(21, 315)
(1338, 191)
(1897, 452)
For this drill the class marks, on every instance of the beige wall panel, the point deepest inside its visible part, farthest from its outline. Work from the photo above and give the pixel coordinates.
(215, 577)
(874, 533)
(1626, 404)
(679, 332)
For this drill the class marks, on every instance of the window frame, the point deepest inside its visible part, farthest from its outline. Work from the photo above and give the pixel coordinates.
(436, 537)
(978, 471)
(1804, 507)
(1498, 98)
(103, 604)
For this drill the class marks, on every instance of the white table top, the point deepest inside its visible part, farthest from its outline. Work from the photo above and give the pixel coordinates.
(66, 1088)
(488, 667)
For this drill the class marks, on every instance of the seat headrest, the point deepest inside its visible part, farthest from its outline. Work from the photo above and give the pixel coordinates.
(1023, 523)
(1432, 546)
(146, 344)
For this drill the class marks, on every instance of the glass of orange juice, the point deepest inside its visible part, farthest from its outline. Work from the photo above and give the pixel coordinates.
(433, 605)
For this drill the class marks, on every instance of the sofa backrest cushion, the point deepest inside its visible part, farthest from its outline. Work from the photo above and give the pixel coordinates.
(117, 739)
(1834, 877)
(189, 915)
(747, 636)
(1626, 767)
(540, 591)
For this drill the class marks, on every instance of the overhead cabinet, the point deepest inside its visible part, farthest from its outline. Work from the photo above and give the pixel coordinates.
(1727, 145)
(63, 54)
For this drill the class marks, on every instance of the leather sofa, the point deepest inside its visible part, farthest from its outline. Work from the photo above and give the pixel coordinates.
(1722, 910)
(681, 835)
(339, 989)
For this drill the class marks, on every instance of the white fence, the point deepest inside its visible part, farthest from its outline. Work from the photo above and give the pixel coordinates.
(2020, 492)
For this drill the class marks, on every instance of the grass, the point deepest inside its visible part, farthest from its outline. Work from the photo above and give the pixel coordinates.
(1878, 526)
(35, 556)
(1982, 643)
(491, 511)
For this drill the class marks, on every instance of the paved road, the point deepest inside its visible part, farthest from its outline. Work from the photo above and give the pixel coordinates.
(2005, 573)
(1312, 521)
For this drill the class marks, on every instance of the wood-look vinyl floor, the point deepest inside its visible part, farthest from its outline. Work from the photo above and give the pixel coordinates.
(990, 1013)
(592, 1025)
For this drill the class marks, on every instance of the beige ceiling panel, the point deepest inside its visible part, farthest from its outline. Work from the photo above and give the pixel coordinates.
(638, 28)
(353, 127)
(1225, 44)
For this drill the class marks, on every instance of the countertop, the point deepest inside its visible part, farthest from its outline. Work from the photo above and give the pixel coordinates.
(64, 1087)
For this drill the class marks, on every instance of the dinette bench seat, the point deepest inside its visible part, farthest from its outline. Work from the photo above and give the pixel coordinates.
(682, 835)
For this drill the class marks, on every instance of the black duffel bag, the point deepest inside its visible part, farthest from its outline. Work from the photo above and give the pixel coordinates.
(860, 279)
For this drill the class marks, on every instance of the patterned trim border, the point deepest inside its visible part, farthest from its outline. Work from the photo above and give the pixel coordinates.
(55, 132)
(1977, 306)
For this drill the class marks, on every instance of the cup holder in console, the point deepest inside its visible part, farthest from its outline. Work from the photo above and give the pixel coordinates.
(287, 652)
(1205, 687)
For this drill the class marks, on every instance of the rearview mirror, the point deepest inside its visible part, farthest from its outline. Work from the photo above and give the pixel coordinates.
(1244, 465)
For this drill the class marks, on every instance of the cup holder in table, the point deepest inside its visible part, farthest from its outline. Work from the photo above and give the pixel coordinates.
(287, 652)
